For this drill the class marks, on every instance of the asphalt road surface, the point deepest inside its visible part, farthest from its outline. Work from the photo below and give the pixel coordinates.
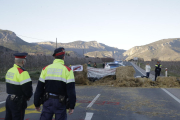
(118, 103)
(137, 72)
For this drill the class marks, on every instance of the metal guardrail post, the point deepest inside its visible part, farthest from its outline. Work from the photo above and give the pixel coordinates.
(165, 72)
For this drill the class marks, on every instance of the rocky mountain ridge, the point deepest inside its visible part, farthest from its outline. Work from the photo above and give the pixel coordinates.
(165, 49)
(10, 40)
(83, 48)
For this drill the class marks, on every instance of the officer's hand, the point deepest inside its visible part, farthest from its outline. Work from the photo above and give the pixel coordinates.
(71, 111)
(37, 109)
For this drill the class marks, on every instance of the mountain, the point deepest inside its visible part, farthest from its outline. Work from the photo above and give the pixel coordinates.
(73, 54)
(83, 48)
(5, 50)
(100, 54)
(165, 50)
(9, 40)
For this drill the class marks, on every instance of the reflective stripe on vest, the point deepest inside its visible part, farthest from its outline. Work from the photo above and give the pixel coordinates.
(56, 78)
(57, 71)
(17, 76)
(18, 83)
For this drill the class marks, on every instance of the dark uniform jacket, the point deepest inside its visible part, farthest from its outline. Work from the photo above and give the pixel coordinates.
(58, 79)
(158, 68)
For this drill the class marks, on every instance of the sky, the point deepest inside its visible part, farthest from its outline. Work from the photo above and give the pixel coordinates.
(116, 23)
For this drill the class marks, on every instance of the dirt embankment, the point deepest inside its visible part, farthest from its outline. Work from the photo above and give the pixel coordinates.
(125, 78)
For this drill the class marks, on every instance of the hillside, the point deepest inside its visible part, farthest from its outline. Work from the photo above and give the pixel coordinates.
(99, 54)
(166, 50)
(4, 49)
(73, 54)
(9, 40)
(81, 47)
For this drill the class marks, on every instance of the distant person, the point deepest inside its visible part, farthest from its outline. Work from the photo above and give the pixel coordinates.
(103, 64)
(157, 70)
(95, 65)
(148, 69)
(89, 64)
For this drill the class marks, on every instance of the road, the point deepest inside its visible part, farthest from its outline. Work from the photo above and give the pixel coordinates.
(118, 103)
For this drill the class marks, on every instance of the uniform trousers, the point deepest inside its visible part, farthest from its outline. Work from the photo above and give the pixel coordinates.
(157, 74)
(53, 106)
(12, 111)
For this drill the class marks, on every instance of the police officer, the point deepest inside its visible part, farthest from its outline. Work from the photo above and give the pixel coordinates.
(57, 84)
(157, 70)
(19, 89)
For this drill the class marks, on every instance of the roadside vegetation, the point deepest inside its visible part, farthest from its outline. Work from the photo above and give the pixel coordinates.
(35, 63)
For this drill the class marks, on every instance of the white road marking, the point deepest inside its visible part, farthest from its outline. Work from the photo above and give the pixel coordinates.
(88, 116)
(174, 97)
(93, 101)
(2, 102)
(143, 73)
(137, 69)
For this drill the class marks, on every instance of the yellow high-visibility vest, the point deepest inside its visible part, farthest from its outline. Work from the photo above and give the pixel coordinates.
(17, 76)
(57, 71)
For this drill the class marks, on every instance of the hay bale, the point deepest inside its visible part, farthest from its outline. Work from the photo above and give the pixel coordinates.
(124, 71)
(125, 82)
(146, 82)
(133, 82)
(109, 77)
(81, 76)
(167, 82)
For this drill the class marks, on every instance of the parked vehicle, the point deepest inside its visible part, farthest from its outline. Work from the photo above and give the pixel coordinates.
(113, 65)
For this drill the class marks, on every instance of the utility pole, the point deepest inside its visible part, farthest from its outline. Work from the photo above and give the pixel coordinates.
(112, 54)
(56, 43)
(83, 52)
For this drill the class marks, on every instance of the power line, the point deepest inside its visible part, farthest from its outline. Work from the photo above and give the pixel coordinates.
(34, 38)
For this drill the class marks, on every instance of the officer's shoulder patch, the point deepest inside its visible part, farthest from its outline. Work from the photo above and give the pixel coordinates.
(45, 67)
(20, 70)
(69, 69)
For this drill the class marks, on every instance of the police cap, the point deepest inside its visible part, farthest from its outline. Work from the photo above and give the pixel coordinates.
(59, 51)
(21, 55)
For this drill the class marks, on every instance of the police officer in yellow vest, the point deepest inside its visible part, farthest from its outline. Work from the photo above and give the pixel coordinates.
(157, 70)
(19, 89)
(56, 84)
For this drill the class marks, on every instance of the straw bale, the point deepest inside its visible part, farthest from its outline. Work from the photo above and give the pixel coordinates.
(125, 78)
(146, 82)
(130, 82)
(138, 82)
(124, 82)
(124, 71)
(81, 76)
(167, 82)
